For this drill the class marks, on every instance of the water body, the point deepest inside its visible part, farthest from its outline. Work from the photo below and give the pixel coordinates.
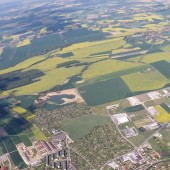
(59, 98)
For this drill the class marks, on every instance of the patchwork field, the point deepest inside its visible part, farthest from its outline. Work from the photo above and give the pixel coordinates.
(153, 57)
(61, 74)
(106, 67)
(24, 113)
(104, 92)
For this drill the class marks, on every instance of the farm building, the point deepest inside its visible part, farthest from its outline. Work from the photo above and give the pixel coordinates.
(130, 132)
(152, 111)
(134, 157)
(134, 101)
(154, 95)
(120, 118)
(114, 165)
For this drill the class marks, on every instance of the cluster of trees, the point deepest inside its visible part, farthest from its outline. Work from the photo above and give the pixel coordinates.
(53, 119)
(72, 63)
(17, 78)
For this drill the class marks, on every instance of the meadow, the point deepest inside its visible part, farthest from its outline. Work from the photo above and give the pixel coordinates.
(145, 81)
(80, 127)
(108, 66)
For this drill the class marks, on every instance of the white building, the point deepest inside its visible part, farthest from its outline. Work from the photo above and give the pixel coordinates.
(120, 118)
(154, 95)
(134, 101)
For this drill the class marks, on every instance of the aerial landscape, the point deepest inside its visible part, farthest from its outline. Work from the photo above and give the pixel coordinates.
(85, 85)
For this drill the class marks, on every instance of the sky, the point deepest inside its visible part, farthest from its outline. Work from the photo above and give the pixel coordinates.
(7, 1)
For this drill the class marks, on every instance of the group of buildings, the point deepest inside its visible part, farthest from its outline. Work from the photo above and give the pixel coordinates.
(55, 152)
(138, 119)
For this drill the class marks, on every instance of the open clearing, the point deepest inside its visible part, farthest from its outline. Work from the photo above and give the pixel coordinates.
(79, 127)
(63, 94)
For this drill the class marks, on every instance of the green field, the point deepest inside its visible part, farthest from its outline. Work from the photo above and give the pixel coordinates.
(145, 81)
(79, 127)
(16, 159)
(37, 133)
(9, 144)
(41, 85)
(105, 92)
(3, 149)
(16, 139)
(163, 115)
(153, 57)
(26, 140)
(107, 66)
(163, 67)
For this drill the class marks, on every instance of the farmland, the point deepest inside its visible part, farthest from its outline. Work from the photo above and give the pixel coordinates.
(61, 74)
(114, 54)
(105, 92)
(163, 67)
(145, 81)
(106, 67)
(80, 127)
(163, 116)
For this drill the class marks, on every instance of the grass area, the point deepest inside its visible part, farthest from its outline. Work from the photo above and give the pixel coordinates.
(43, 30)
(153, 57)
(3, 149)
(163, 115)
(143, 81)
(139, 139)
(94, 49)
(38, 134)
(53, 77)
(24, 64)
(16, 159)
(48, 64)
(26, 140)
(3, 94)
(150, 18)
(9, 144)
(106, 67)
(23, 43)
(113, 75)
(24, 113)
(80, 47)
(163, 67)
(166, 48)
(104, 91)
(79, 127)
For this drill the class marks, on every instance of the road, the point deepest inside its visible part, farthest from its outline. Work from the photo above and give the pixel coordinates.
(135, 147)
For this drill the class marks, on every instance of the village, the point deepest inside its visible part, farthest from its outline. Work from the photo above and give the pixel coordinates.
(146, 114)
(54, 153)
